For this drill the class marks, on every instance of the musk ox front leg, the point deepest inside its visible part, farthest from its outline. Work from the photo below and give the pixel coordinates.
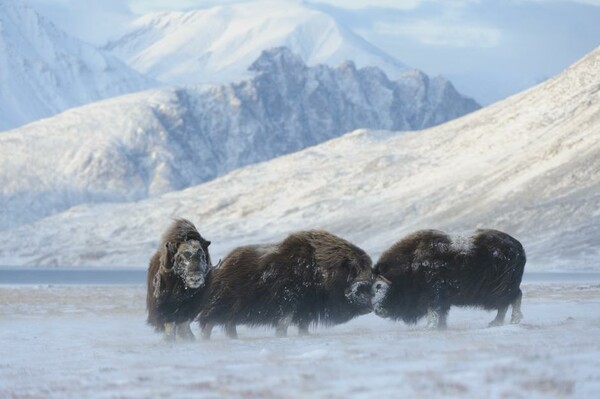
(170, 330)
(184, 332)
(303, 328)
(437, 314)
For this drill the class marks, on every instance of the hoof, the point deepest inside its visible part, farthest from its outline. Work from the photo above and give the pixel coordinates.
(495, 323)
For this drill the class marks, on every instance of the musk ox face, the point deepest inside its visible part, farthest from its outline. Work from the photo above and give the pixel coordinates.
(191, 262)
(358, 288)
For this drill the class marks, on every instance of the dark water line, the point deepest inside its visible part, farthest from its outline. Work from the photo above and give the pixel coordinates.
(28, 275)
(71, 276)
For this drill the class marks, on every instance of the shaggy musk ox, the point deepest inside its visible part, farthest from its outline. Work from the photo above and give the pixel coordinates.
(176, 276)
(309, 277)
(429, 271)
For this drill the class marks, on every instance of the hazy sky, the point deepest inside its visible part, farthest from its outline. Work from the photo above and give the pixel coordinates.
(488, 48)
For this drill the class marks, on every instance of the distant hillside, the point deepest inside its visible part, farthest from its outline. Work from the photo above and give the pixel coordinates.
(529, 165)
(135, 146)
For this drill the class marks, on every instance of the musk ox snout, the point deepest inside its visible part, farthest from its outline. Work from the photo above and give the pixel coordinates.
(359, 294)
(379, 292)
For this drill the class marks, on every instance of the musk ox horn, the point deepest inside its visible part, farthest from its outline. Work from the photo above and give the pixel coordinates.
(382, 278)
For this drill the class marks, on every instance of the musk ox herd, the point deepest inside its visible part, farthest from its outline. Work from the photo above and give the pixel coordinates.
(315, 277)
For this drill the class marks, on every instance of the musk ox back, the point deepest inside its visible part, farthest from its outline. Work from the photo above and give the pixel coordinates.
(429, 271)
(309, 277)
(176, 277)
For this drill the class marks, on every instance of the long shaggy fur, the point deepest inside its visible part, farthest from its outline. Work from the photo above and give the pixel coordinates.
(430, 270)
(309, 277)
(168, 299)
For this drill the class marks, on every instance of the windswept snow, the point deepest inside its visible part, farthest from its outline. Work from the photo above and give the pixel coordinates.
(529, 165)
(219, 44)
(44, 71)
(92, 342)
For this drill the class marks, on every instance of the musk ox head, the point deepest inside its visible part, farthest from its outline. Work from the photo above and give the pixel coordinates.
(184, 255)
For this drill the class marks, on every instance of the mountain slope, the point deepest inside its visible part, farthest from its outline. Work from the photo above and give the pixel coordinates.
(135, 146)
(529, 165)
(44, 71)
(220, 43)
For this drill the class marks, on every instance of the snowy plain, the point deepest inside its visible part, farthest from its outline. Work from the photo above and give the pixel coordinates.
(82, 341)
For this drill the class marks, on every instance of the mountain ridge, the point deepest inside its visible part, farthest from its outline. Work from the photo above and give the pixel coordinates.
(528, 165)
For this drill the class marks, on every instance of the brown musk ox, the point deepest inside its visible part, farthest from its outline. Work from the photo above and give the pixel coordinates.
(309, 277)
(176, 280)
(429, 271)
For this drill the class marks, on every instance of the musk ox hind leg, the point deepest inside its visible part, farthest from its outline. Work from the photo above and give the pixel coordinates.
(499, 320)
(207, 330)
(230, 330)
(516, 316)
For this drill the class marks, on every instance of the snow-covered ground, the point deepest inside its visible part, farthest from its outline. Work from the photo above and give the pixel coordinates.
(77, 341)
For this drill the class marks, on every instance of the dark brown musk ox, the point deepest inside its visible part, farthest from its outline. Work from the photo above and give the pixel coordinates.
(309, 277)
(176, 280)
(429, 271)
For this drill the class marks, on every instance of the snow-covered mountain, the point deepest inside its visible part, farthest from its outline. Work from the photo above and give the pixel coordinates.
(44, 71)
(219, 44)
(529, 165)
(148, 143)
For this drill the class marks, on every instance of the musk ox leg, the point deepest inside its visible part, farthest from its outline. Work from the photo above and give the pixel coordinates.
(303, 328)
(230, 330)
(170, 332)
(516, 316)
(184, 332)
(282, 326)
(437, 314)
(499, 320)
(281, 330)
(437, 318)
(207, 331)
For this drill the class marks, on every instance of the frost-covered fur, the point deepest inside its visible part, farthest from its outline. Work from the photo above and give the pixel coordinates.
(176, 277)
(309, 277)
(429, 271)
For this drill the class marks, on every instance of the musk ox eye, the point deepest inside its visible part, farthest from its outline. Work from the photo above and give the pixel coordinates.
(378, 286)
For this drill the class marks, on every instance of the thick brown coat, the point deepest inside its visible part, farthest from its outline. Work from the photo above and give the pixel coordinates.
(309, 277)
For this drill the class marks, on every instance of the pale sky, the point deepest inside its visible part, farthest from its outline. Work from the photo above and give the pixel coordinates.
(489, 49)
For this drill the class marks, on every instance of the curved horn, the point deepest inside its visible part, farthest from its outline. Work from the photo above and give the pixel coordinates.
(382, 278)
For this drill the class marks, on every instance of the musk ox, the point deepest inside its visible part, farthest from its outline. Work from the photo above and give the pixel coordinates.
(176, 279)
(309, 277)
(429, 271)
